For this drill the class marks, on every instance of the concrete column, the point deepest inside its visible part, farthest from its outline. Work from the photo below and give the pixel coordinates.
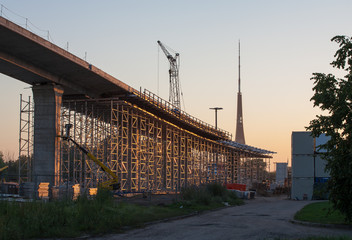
(47, 108)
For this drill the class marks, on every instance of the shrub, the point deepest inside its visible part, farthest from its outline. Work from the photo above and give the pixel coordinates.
(208, 194)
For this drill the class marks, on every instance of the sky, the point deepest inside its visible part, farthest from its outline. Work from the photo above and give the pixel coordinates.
(282, 44)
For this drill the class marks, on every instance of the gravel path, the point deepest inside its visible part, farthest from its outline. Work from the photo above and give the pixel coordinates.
(262, 218)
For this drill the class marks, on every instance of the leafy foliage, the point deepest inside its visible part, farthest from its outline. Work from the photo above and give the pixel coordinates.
(2, 162)
(209, 195)
(334, 96)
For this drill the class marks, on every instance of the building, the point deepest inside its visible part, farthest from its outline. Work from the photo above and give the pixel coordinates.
(308, 168)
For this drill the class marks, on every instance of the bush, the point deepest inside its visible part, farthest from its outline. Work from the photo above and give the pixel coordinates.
(320, 191)
(217, 189)
(209, 194)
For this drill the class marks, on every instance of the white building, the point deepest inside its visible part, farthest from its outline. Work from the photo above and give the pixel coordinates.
(307, 165)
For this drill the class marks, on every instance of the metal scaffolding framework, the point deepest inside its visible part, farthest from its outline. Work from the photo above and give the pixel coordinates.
(25, 151)
(147, 152)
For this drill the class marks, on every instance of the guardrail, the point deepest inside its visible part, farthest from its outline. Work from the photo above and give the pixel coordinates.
(173, 110)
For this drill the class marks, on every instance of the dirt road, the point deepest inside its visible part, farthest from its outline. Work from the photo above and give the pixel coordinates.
(262, 218)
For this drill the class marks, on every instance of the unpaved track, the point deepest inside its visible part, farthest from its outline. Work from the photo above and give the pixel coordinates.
(262, 218)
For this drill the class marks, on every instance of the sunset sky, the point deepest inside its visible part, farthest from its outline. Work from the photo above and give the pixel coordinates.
(282, 44)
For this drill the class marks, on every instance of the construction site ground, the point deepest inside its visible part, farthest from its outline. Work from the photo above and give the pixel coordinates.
(260, 218)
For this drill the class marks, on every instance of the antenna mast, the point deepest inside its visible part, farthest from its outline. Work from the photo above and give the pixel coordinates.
(239, 124)
(239, 66)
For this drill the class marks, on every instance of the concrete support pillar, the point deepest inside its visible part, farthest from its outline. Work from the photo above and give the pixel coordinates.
(47, 108)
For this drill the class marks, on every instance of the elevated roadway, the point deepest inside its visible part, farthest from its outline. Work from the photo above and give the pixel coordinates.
(57, 75)
(36, 61)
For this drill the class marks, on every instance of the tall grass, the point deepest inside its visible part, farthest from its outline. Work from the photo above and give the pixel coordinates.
(25, 220)
(59, 218)
(209, 195)
(74, 218)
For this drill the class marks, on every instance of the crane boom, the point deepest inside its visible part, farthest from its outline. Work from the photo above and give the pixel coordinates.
(174, 93)
(111, 184)
(3, 169)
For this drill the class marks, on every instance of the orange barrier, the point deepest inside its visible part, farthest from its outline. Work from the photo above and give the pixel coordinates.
(236, 186)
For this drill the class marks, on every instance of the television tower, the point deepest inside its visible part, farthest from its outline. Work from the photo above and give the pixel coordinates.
(239, 123)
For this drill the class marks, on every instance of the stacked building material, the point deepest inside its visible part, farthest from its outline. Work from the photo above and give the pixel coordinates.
(43, 190)
(76, 191)
(93, 191)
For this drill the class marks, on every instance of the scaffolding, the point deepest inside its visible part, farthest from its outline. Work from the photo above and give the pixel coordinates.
(146, 152)
(25, 152)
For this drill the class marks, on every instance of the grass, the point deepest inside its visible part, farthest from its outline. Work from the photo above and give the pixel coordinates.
(320, 238)
(320, 212)
(328, 238)
(208, 196)
(25, 220)
(74, 218)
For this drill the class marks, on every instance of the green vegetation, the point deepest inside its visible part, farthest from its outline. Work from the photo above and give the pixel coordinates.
(333, 95)
(208, 196)
(320, 212)
(73, 218)
(2, 162)
(11, 173)
(321, 238)
(103, 214)
(328, 238)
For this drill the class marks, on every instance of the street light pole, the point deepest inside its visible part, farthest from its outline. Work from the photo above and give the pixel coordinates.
(216, 115)
(214, 167)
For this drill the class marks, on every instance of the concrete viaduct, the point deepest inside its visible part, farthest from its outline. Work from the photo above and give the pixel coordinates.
(60, 78)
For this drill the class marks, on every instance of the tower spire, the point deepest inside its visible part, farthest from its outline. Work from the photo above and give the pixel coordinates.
(239, 124)
(239, 66)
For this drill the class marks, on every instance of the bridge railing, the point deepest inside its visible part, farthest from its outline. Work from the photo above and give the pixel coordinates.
(173, 110)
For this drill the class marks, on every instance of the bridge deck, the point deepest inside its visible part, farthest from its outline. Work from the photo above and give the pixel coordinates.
(34, 60)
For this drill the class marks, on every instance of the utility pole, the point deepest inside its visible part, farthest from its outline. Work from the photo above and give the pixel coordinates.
(216, 115)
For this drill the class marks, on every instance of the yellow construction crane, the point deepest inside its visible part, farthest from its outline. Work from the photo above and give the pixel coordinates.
(3, 169)
(111, 184)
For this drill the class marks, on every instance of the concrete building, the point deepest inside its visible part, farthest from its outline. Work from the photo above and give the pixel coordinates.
(307, 165)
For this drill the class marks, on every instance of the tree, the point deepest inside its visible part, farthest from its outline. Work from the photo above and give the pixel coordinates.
(2, 162)
(334, 96)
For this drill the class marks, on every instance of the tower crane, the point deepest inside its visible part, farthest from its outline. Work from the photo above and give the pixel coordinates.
(174, 93)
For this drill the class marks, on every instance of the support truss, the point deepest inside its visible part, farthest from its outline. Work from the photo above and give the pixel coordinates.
(146, 153)
(26, 132)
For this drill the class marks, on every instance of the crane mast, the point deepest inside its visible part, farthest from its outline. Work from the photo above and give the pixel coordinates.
(174, 92)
